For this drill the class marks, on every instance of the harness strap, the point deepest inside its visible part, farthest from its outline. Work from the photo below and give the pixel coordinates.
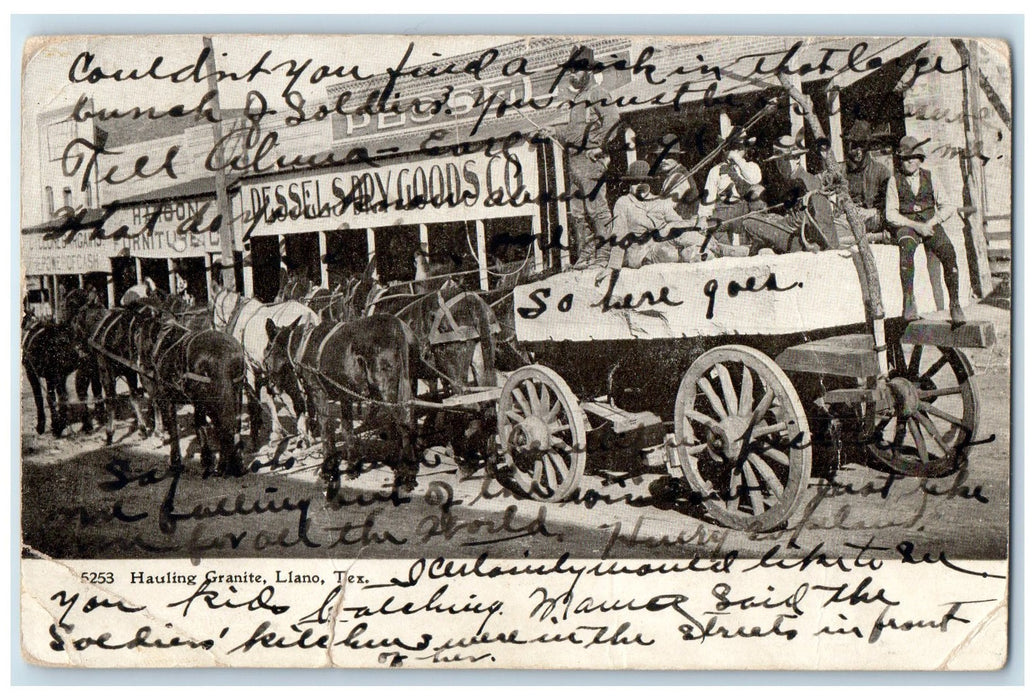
(304, 344)
(235, 314)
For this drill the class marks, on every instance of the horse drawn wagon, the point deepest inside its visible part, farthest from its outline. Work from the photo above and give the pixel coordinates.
(730, 372)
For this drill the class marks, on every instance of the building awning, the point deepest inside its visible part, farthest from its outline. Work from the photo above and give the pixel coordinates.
(200, 188)
(68, 222)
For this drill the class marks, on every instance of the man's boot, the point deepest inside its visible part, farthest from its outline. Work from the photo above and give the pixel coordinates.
(956, 316)
(909, 307)
(906, 271)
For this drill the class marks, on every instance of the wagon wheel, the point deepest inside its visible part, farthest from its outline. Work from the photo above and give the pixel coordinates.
(743, 438)
(935, 414)
(542, 432)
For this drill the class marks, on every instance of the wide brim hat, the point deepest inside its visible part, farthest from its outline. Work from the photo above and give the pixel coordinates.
(669, 144)
(911, 147)
(582, 59)
(638, 171)
(861, 132)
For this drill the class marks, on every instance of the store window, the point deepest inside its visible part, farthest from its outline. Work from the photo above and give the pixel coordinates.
(49, 196)
(395, 247)
(346, 256)
(67, 197)
(452, 247)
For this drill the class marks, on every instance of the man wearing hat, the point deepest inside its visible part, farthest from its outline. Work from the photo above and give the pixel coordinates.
(733, 187)
(798, 203)
(592, 123)
(677, 184)
(642, 218)
(916, 207)
(867, 179)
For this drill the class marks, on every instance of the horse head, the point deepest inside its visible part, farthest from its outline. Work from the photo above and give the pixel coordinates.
(277, 364)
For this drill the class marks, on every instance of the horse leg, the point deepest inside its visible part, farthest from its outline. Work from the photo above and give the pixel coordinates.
(252, 389)
(52, 404)
(82, 386)
(224, 420)
(108, 382)
(406, 460)
(348, 416)
(95, 388)
(168, 410)
(331, 467)
(276, 432)
(200, 428)
(60, 421)
(136, 397)
(37, 395)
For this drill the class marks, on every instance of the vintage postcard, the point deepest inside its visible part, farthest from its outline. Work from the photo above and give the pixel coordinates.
(593, 352)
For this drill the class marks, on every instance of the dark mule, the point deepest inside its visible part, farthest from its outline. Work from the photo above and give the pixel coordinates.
(50, 353)
(365, 361)
(107, 335)
(205, 369)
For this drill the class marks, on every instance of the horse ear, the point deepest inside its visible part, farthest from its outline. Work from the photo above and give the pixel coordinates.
(271, 329)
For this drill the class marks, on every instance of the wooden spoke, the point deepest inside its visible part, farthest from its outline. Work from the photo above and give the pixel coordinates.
(914, 361)
(763, 406)
(736, 481)
(560, 443)
(900, 433)
(777, 456)
(767, 474)
(938, 413)
(933, 369)
(753, 489)
(559, 428)
(514, 417)
(768, 429)
(709, 391)
(697, 449)
(726, 383)
(701, 418)
(926, 423)
(522, 401)
(554, 411)
(537, 472)
(918, 438)
(747, 391)
(533, 398)
(544, 398)
(560, 466)
(944, 391)
(550, 470)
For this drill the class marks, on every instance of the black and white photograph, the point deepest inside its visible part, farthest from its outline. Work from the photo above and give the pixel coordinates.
(616, 352)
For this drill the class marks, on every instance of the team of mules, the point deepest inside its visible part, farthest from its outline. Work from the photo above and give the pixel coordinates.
(366, 347)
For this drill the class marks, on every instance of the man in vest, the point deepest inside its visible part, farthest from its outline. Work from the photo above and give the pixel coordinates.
(867, 179)
(916, 208)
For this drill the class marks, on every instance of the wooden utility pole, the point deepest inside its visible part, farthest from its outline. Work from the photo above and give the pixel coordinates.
(226, 228)
(971, 165)
(867, 266)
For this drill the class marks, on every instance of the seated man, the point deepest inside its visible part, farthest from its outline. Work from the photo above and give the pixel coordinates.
(732, 189)
(677, 183)
(807, 217)
(643, 224)
(867, 179)
(916, 208)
